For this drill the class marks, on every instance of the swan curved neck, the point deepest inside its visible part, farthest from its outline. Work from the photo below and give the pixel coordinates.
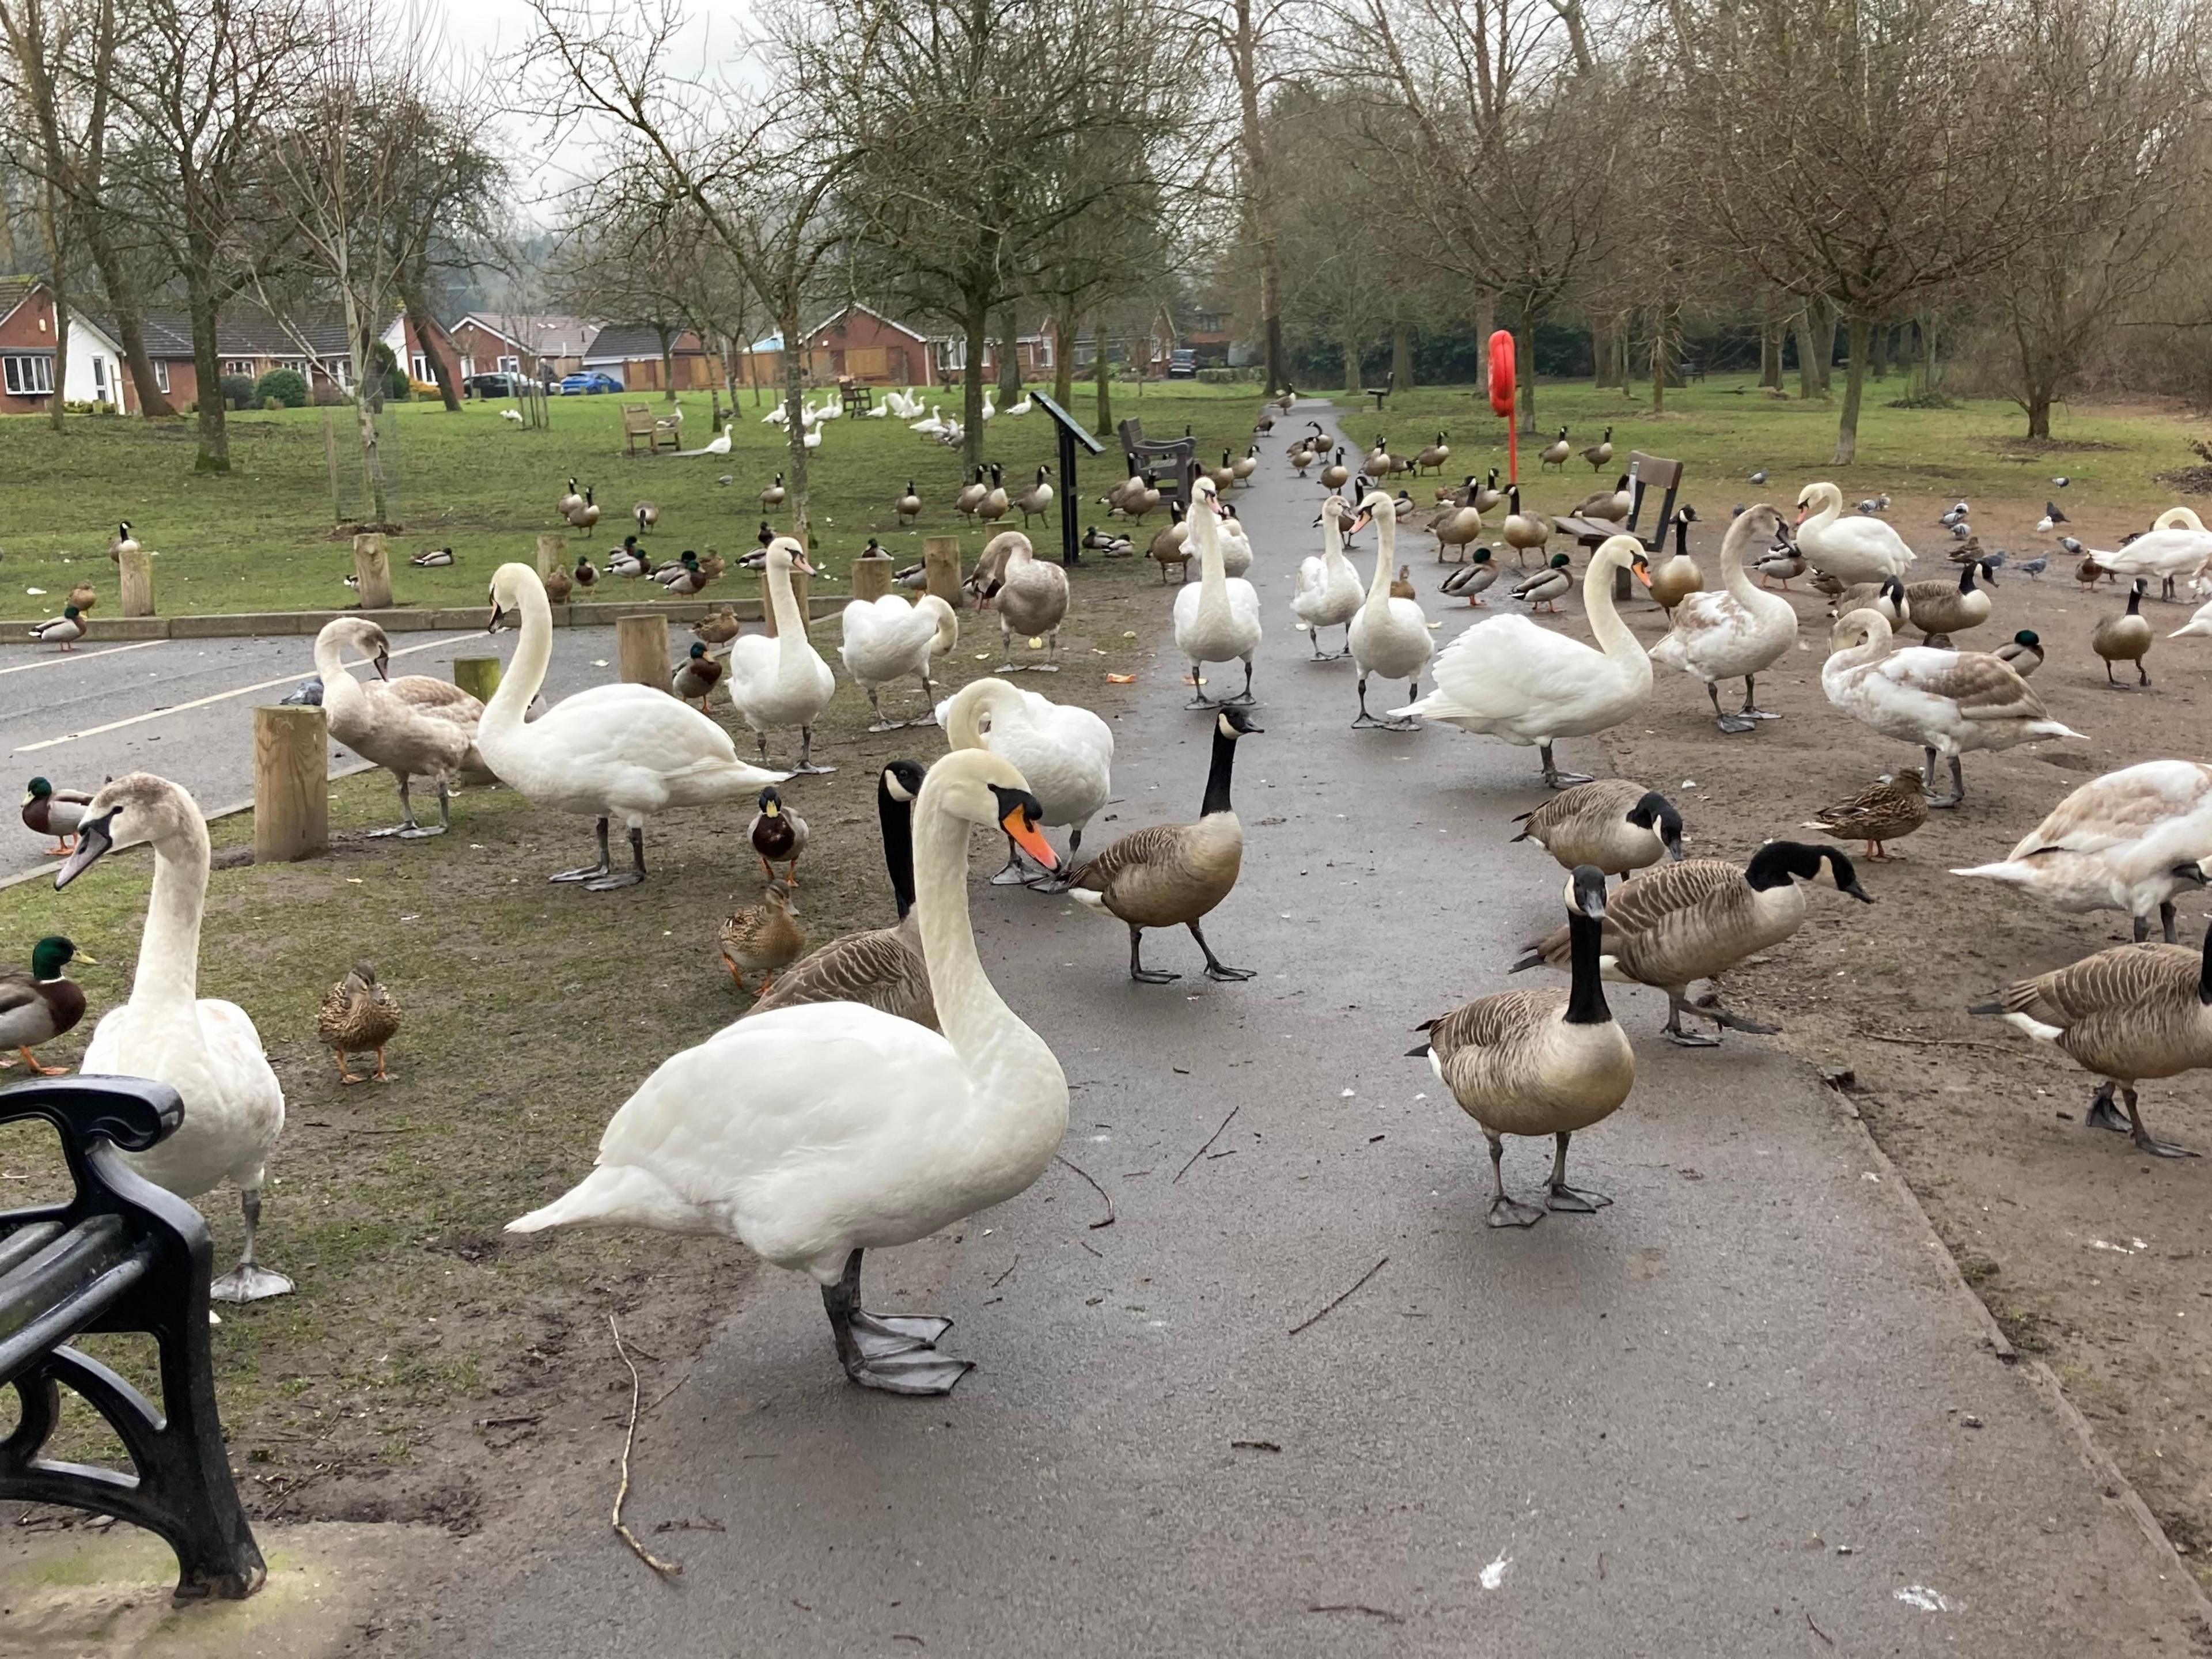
(973, 1017)
(1386, 556)
(169, 949)
(1611, 634)
(527, 673)
(790, 626)
(1733, 576)
(1212, 573)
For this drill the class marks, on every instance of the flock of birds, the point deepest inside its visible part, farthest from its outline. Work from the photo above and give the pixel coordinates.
(880, 1088)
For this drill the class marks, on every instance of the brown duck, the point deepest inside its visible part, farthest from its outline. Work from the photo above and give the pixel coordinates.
(358, 1015)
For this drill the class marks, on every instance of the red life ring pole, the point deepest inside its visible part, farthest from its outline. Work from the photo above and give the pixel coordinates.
(1501, 399)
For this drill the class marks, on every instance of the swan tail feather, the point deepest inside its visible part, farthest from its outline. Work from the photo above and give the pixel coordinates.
(613, 1193)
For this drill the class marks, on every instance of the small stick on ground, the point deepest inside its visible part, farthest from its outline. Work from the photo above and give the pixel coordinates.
(1305, 1323)
(1210, 1140)
(1818, 1632)
(1096, 1188)
(1006, 1275)
(1383, 1613)
(665, 1568)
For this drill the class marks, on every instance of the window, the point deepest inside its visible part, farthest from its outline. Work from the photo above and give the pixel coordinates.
(468, 368)
(100, 377)
(510, 365)
(161, 373)
(1044, 351)
(27, 376)
(239, 365)
(422, 367)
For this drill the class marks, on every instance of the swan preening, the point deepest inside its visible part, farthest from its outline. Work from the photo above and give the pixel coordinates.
(818, 1133)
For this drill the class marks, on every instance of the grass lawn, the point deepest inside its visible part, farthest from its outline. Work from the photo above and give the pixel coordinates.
(260, 538)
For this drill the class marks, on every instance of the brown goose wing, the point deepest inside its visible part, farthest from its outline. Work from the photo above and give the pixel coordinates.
(882, 969)
(2123, 977)
(1137, 850)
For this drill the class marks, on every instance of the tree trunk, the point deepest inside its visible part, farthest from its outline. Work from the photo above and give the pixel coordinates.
(1928, 354)
(1880, 367)
(1823, 342)
(1009, 356)
(667, 364)
(1659, 360)
(1401, 356)
(130, 323)
(1600, 354)
(794, 424)
(2039, 413)
(1352, 360)
(1524, 371)
(51, 221)
(729, 375)
(436, 345)
(1770, 353)
(1063, 353)
(207, 366)
(972, 384)
(1847, 428)
(1808, 377)
(1486, 325)
(1259, 188)
(1102, 373)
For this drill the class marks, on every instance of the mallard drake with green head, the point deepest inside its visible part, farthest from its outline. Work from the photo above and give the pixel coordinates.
(696, 676)
(779, 835)
(64, 630)
(56, 813)
(41, 1006)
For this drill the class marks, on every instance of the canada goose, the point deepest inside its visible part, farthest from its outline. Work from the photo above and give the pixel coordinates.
(2128, 1013)
(1676, 580)
(1245, 465)
(64, 630)
(1617, 825)
(1301, 458)
(1472, 580)
(2128, 841)
(1737, 632)
(1221, 476)
(1539, 1062)
(908, 505)
(2176, 546)
(1600, 453)
(1459, 525)
(585, 514)
(2125, 638)
(1610, 505)
(1173, 875)
(1888, 810)
(1548, 586)
(772, 497)
(1556, 452)
(358, 1016)
(1264, 425)
(1389, 634)
(1035, 501)
(1488, 498)
(1694, 920)
(647, 515)
(1524, 532)
(417, 725)
(2024, 651)
(1377, 461)
(1032, 600)
(1336, 474)
(1219, 620)
(1851, 549)
(571, 499)
(994, 504)
(1940, 607)
(1328, 594)
(1312, 438)
(970, 496)
(436, 559)
(1948, 702)
(1170, 545)
(1432, 458)
(1887, 598)
(42, 1004)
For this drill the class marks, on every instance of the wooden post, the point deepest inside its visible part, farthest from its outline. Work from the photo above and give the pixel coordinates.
(372, 571)
(552, 556)
(136, 581)
(940, 555)
(871, 579)
(801, 589)
(291, 801)
(479, 677)
(641, 650)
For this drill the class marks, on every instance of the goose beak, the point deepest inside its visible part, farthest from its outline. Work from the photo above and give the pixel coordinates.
(93, 841)
(1028, 837)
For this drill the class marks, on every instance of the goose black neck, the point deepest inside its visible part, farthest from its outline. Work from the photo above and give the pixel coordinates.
(2134, 602)
(1217, 779)
(1586, 1003)
(897, 818)
(1774, 864)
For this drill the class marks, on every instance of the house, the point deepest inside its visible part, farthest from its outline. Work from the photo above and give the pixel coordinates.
(864, 345)
(414, 353)
(1035, 355)
(631, 353)
(250, 342)
(95, 370)
(521, 344)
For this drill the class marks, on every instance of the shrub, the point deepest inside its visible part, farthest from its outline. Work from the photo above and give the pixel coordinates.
(397, 388)
(281, 388)
(237, 391)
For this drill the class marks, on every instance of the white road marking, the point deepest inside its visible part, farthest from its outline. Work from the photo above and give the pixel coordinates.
(63, 658)
(219, 697)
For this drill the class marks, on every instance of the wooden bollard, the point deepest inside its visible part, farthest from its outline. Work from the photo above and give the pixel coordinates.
(940, 557)
(136, 583)
(552, 554)
(641, 650)
(291, 800)
(801, 591)
(479, 677)
(372, 571)
(871, 579)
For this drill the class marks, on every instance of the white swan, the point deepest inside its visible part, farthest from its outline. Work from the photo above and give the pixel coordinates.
(989, 412)
(1857, 548)
(1236, 545)
(2128, 840)
(2177, 545)
(625, 752)
(720, 443)
(1389, 637)
(207, 1050)
(930, 425)
(816, 1133)
(1515, 680)
(783, 681)
(890, 639)
(1021, 407)
(1219, 620)
(416, 724)
(779, 415)
(1734, 633)
(1949, 703)
(1328, 594)
(1066, 753)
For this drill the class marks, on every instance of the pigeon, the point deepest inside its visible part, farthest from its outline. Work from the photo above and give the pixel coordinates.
(2061, 483)
(308, 695)
(2033, 568)
(2072, 546)
(1961, 530)
(726, 479)
(2052, 518)
(1760, 477)
(1875, 504)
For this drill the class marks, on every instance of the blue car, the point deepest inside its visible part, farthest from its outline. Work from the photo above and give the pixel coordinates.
(592, 380)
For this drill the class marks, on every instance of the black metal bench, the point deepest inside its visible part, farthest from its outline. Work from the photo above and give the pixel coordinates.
(1173, 461)
(1381, 393)
(122, 1255)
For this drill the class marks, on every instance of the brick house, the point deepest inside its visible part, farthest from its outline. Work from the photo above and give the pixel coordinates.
(413, 354)
(631, 353)
(867, 347)
(27, 354)
(546, 346)
(1035, 355)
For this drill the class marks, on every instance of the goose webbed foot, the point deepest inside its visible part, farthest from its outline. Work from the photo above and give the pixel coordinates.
(1710, 1006)
(2103, 1114)
(1561, 1196)
(1015, 873)
(1733, 724)
(1680, 1035)
(879, 1336)
(1137, 971)
(247, 1282)
(2144, 1140)
(589, 872)
(806, 766)
(1554, 778)
(1511, 1213)
(1215, 968)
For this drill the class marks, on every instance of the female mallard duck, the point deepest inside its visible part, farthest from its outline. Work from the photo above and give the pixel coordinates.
(1739, 631)
(760, 939)
(696, 676)
(558, 585)
(882, 968)
(208, 1051)
(1524, 532)
(1556, 452)
(815, 1133)
(1032, 601)
(1472, 580)
(1219, 620)
(2125, 638)
(84, 596)
(41, 1006)
(358, 1015)
(1173, 875)
(1327, 592)
(64, 630)
(1615, 824)
(436, 558)
(781, 681)
(2128, 841)
(56, 813)
(1941, 609)
(772, 497)
(2024, 651)
(1170, 545)
(2128, 1013)
(888, 638)
(414, 726)
(776, 834)
(629, 561)
(1696, 919)
(1856, 549)
(1888, 810)
(1679, 577)
(1949, 703)
(719, 628)
(585, 514)
(1389, 637)
(1524, 684)
(1065, 752)
(1539, 1062)
(1548, 586)
(1401, 585)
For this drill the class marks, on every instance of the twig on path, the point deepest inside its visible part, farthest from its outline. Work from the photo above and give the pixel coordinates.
(2012, 1048)
(1006, 1275)
(1096, 1188)
(1383, 1613)
(665, 1568)
(1304, 1323)
(1818, 1632)
(1210, 1140)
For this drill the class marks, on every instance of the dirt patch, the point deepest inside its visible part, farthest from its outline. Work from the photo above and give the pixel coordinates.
(2086, 1252)
(2012, 446)
(2190, 480)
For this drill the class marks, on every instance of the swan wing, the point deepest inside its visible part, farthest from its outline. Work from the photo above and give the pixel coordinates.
(2126, 808)
(1507, 665)
(1983, 687)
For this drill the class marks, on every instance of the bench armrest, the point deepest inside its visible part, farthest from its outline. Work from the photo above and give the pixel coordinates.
(133, 1112)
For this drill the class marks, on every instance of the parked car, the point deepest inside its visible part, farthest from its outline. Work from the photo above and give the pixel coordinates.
(591, 380)
(1182, 364)
(501, 385)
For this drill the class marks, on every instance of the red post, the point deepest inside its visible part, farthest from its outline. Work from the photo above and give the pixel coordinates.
(1501, 399)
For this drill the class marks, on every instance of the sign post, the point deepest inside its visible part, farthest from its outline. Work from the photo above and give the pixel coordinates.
(1072, 432)
(1501, 399)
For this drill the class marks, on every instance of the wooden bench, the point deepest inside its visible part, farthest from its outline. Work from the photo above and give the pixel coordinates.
(1173, 462)
(122, 1255)
(640, 422)
(1645, 473)
(1381, 393)
(858, 399)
